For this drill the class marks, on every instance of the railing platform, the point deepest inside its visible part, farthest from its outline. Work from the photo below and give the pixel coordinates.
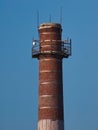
(64, 51)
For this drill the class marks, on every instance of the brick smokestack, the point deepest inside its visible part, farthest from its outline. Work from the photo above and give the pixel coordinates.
(50, 113)
(50, 53)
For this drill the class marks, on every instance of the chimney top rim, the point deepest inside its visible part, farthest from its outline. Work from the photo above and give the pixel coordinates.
(49, 25)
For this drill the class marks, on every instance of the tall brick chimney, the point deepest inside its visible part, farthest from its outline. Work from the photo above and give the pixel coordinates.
(50, 50)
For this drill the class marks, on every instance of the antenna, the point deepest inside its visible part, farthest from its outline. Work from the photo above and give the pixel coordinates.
(37, 19)
(50, 18)
(61, 15)
(70, 47)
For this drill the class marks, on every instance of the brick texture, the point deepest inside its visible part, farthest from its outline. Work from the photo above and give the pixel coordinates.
(50, 73)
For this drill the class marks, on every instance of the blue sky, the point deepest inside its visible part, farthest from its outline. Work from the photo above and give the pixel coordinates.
(19, 72)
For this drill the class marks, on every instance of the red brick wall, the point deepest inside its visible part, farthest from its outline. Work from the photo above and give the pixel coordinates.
(50, 74)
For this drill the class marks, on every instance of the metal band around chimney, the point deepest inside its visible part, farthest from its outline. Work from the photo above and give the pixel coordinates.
(49, 59)
(50, 41)
(48, 107)
(49, 33)
(50, 71)
(42, 96)
(52, 82)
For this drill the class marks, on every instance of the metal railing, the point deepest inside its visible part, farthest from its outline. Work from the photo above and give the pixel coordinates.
(64, 47)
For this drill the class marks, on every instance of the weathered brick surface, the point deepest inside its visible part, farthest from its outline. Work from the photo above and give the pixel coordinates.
(52, 113)
(51, 64)
(50, 74)
(50, 89)
(52, 36)
(51, 101)
(47, 77)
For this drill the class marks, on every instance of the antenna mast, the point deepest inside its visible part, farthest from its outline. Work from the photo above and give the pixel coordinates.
(50, 18)
(37, 19)
(61, 15)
